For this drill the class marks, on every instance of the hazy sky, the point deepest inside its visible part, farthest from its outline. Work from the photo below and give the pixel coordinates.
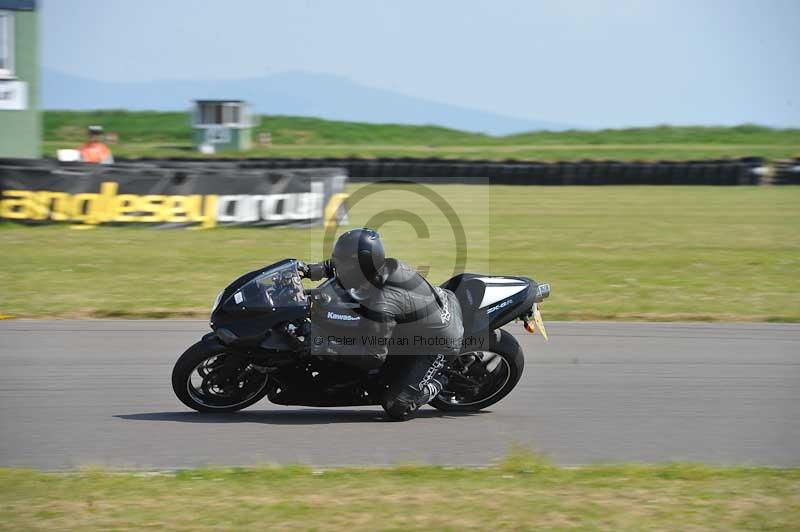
(590, 63)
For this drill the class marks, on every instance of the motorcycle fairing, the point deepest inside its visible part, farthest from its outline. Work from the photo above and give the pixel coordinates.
(241, 319)
(489, 302)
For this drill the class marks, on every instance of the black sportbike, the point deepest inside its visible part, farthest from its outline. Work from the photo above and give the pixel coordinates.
(265, 323)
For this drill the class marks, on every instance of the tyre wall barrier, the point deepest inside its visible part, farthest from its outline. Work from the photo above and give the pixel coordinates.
(710, 172)
(787, 172)
(726, 172)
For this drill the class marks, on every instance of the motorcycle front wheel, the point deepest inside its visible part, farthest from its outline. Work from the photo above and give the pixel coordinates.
(206, 378)
(479, 379)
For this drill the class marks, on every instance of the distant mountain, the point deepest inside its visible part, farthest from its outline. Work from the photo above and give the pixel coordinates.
(289, 93)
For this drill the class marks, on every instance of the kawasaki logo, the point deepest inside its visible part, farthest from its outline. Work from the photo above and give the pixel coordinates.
(345, 317)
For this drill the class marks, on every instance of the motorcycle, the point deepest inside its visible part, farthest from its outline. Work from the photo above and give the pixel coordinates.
(266, 324)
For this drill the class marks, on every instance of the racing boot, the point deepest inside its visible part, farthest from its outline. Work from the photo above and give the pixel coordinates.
(400, 406)
(432, 388)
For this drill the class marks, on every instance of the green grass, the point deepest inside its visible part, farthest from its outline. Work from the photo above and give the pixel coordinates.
(161, 134)
(520, 494)
(631, 253)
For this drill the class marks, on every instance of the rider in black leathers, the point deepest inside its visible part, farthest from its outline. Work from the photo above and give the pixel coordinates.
(424, 321)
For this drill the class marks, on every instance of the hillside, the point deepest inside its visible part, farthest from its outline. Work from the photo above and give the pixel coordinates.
(288, 93)
(167, 134)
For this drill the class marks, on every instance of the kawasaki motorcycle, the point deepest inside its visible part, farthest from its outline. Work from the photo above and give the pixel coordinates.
(266, 325)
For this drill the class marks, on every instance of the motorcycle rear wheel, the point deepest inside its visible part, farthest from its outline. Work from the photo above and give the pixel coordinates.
(208, 379)
(503, 364)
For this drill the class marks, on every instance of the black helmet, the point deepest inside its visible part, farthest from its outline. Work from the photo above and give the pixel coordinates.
(358, 259)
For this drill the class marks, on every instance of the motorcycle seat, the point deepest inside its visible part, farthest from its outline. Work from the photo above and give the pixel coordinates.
(469, 290)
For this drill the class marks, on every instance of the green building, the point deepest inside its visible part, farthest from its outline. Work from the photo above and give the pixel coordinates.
(221, 125)
(20, 123)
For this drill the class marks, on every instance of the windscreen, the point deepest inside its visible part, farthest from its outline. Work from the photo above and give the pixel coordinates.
(280, 286)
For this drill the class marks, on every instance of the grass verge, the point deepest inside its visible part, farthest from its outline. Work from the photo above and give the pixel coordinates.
(521, 493)
(633, 253)
(168, 134)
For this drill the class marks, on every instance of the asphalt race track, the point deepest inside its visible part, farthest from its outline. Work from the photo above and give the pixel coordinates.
(77, 393)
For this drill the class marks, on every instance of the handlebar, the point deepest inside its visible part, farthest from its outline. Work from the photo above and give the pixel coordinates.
(317, 271)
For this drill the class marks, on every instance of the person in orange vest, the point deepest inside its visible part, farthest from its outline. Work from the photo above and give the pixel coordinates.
(94, 151)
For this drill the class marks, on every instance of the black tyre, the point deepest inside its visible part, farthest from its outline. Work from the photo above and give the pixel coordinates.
(491, 376)
(208, 379)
